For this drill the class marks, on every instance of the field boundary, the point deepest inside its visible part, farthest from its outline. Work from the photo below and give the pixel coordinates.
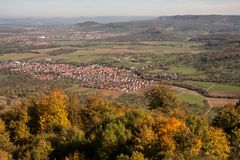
(209, 105)
(211, 87)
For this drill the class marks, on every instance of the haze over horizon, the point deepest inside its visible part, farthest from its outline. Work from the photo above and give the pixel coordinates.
(76, 8)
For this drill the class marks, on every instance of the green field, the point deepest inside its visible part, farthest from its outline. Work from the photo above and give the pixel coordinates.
(22, 56)
(84, 43)
(205, 85)
(183, 69)
(84, 56)
(162, 51)
(225, 88)
(215, 87)
(195, 103)
(192, 99)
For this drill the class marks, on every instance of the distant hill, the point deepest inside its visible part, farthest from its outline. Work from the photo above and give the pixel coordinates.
(210, 23)
(68, 21)
(152, 34)
(199, 23)
(88, 24)
(132, 26)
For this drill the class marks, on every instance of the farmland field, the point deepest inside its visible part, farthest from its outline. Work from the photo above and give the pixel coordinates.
(219, 102)
(183, 69)
(217, 89)
(192, 99)
(90, 49)
(205, 85)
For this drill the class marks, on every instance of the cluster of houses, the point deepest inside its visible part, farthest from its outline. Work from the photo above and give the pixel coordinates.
(42, 39)
(97, 35)
(92, 76)
(160, 76)
(29, 40)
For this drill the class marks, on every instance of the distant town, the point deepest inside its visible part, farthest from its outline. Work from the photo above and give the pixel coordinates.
(48, 38)
(92, 76)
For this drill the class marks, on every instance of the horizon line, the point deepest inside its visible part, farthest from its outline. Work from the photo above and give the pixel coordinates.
(45, 17)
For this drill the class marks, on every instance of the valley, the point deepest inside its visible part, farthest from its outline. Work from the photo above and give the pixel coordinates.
(200, 63)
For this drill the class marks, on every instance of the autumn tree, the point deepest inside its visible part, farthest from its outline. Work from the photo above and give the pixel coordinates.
(161, 97)
(5, 156)
(5, 145)
(217, 146)
(97, 110)
(137, 156)
(197, 125)
(17, 124)
(165, 130)
(140, 122)
(123, 157)
(229, 120)
(75, 156)
(74, 110)
(113, 139)
(52, 111)
(41, 148)
(188, 145)
(235, 143)
(68, 142)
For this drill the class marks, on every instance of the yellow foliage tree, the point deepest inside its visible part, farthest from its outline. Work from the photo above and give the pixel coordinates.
(137, 156)
(52, 110)
(188, 145)
(41, 149)
(146, 135)
(75, 156)
(2, 126)
(197, 147)
(218, 146)
(5, 144)
(5, 156)
(140, 121)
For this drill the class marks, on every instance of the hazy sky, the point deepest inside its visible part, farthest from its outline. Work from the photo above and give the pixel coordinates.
(75, 8)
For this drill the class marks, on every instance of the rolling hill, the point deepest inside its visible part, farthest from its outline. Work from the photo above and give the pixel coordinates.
(199, 23)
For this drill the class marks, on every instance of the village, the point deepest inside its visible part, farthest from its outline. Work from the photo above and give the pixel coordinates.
(96, 35)
(46, 38)
(91, 76)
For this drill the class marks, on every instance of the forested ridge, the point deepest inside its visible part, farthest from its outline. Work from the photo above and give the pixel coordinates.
(58, 125)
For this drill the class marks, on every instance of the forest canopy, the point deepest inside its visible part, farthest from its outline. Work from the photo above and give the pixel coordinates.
(61, 126)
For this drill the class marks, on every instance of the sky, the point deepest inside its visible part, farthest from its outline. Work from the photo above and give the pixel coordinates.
(76, 8)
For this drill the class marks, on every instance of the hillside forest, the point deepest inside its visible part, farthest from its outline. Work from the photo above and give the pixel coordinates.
(61, 125)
